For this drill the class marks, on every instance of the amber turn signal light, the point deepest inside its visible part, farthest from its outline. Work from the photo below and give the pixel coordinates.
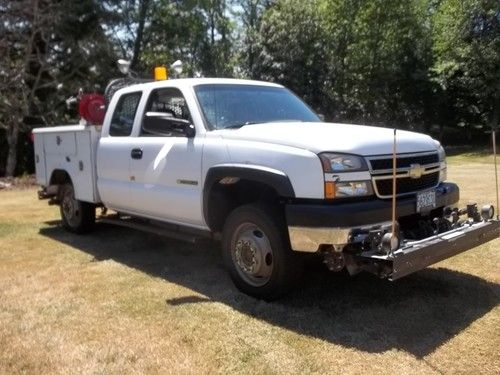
(330, 190)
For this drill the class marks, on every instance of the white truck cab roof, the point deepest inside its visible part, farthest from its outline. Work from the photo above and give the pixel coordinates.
(191, 82)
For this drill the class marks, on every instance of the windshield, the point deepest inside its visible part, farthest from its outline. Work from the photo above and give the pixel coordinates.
(233, 106)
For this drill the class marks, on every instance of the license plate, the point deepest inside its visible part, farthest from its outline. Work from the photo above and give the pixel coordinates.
(426, 200)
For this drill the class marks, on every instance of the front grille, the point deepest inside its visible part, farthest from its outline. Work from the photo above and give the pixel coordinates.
(404, 161)
(406, 184)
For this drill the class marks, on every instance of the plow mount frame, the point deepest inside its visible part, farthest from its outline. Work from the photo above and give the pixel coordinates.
(413, 256)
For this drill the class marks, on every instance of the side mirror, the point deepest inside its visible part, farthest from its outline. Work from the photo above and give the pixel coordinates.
(164, 124)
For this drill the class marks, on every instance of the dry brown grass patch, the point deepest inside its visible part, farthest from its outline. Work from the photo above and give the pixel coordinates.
(118, 301)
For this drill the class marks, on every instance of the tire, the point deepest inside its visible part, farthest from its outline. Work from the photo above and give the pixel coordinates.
(256, 252)
(77, 216)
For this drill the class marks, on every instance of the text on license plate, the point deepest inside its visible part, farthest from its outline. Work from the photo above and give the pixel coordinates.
(426, 200)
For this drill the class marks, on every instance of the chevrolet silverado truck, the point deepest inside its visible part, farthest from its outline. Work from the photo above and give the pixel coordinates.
(247, 163)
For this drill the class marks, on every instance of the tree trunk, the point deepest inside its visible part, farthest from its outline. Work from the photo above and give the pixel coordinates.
(12, 137)
(496, 111)
(143, 11)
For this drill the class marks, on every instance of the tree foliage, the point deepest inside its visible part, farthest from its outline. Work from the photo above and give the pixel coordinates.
(48, 50)
(416, 64)
(292, 49)
(467, 59)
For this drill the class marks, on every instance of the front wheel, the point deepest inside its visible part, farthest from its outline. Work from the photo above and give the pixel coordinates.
(77, 216)
(257, 253)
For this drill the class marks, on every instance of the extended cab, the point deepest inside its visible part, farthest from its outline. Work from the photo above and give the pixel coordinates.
(250, 164)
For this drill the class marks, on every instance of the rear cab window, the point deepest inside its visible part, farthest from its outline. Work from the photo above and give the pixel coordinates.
(122, 121)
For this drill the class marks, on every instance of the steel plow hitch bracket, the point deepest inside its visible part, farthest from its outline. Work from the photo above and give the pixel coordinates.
(413, 256)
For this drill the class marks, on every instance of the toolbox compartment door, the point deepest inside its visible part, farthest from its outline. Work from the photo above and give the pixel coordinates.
(40, 167)
(63, 144)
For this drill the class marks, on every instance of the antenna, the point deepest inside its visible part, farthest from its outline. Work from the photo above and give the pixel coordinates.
(493, 136)
(390, 241)
(394, 167)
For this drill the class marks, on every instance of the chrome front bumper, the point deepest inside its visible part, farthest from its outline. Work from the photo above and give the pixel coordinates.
(308, 240)
(410, 257)
(311, 224)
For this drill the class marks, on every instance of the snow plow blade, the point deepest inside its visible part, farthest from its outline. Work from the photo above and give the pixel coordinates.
(413, 256)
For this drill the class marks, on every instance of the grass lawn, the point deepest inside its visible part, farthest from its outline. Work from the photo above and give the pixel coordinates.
(120, 301)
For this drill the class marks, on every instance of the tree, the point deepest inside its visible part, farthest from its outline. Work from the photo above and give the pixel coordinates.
(378, 60)
(198, 32)
(358, 60)
(49, 49)
(467, 59)
(128, 25)
(23, 72)
(249, 16)
(216, 50)
(291, 49)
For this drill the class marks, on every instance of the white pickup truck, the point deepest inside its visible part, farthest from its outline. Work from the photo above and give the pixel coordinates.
(249, 163)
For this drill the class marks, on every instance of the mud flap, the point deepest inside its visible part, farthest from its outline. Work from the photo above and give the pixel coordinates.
(413, 256)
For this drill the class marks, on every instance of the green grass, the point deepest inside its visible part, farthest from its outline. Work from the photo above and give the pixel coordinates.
(472, 155)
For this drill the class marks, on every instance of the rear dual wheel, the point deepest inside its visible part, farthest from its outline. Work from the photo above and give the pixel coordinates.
(257, 253)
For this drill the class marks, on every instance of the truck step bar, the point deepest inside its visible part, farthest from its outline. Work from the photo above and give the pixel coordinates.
(176, 232)
(413, 256)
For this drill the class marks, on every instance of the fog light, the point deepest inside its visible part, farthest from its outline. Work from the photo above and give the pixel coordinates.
(487, 212)
(353, 189)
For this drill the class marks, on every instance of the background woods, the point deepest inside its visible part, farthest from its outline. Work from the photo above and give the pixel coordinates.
(431, 65)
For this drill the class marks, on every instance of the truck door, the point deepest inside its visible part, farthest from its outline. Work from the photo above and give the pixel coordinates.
(114, 154)
(166, 171)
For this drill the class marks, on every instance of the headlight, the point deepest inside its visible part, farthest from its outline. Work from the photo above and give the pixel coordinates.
(347, 189)
(441, 154)
(334, 163)
(442, 164)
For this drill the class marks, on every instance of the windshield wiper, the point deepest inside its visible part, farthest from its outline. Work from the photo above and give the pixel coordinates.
(240, 125)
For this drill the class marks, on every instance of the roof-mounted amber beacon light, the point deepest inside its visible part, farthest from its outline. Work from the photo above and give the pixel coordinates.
(161, 73)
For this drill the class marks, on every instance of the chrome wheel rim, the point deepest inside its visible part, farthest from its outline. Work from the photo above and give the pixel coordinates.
(70, 208)
(252, 254)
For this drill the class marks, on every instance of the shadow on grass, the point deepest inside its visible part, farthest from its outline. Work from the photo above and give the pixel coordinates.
(416, 314)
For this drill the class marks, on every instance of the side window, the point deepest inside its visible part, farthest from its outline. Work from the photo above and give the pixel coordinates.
(123, 117)
(169, 101)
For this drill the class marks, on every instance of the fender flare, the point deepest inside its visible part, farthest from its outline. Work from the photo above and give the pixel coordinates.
(273, 178)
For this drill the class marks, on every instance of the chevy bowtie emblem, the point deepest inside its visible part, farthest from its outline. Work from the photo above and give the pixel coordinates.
(416, 171)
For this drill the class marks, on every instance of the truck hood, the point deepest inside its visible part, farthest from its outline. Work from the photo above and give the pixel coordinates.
(320, 137)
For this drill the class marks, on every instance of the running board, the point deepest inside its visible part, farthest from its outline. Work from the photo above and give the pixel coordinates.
(413, 256)
(162, 229)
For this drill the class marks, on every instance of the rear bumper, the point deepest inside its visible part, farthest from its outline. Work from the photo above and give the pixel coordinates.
(312, 225)
(48, 192)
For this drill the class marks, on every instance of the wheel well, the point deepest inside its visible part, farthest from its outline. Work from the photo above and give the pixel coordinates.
(222, 199)
(59, 177)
